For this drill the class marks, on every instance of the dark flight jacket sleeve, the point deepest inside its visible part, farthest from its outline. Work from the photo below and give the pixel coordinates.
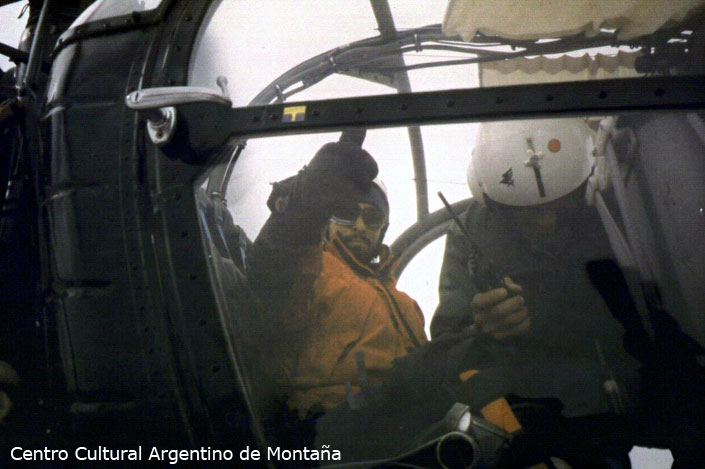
(455, 287)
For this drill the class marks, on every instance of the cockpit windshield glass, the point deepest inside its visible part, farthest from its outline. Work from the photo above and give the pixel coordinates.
(555, 213)
(379, 283)
(102, 9)
(274, 51)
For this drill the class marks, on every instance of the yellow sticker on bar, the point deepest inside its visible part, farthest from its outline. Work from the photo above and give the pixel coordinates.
(294, 114)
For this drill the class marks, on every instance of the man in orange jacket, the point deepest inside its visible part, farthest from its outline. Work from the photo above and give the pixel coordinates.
(341, 320)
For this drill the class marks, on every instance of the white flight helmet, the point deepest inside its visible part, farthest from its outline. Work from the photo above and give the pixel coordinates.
(524, 163)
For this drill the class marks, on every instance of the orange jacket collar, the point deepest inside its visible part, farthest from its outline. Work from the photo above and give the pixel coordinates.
(382, 270)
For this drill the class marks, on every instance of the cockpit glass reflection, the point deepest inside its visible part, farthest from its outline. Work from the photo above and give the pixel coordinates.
(514, 293)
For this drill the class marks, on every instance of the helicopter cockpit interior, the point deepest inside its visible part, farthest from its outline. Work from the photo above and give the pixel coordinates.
(161, 138)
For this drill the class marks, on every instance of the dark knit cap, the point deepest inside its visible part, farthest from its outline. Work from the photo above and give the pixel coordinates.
(376, 197)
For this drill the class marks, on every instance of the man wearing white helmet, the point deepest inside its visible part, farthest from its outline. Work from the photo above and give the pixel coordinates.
(530, 224)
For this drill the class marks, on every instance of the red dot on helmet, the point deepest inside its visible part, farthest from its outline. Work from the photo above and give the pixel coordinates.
(554, 145)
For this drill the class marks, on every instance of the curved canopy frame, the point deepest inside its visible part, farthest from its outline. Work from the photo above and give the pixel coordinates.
(380, 59)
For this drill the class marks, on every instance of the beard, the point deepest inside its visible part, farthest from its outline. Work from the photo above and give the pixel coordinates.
(360, 246)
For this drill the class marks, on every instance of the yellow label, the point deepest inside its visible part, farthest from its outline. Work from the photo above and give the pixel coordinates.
(500, 413)
(294, 114)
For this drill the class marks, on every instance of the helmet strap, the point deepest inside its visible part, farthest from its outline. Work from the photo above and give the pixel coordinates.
(491, 204)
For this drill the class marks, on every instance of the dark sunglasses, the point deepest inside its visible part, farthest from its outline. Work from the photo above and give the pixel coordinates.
(348, 215)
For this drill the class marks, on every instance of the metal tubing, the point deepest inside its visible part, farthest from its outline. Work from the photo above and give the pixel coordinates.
(15, 55)
(33, 64)
(387, 29)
